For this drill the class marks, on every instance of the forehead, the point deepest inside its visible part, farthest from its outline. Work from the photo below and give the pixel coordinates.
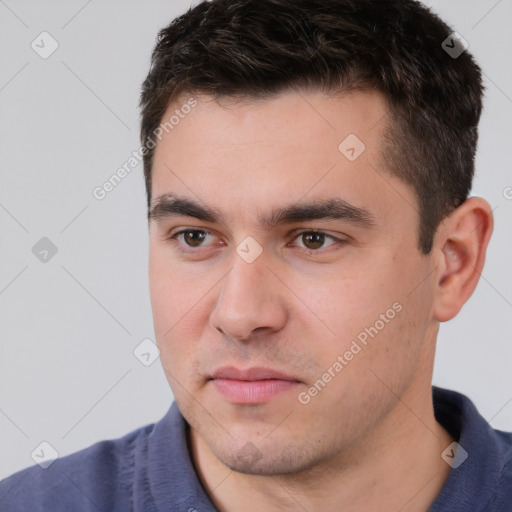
(303, 113)
(238, 156)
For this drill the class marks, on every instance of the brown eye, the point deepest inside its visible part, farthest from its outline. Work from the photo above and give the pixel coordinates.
(192, 238)
(313, 240)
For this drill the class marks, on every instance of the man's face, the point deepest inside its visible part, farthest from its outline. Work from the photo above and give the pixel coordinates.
(345, 313)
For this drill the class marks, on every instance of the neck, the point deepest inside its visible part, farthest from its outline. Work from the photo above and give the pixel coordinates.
(397, 466)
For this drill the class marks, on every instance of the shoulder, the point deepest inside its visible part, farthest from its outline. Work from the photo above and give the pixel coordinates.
(503, 500)
(482, 479)
(99, 477)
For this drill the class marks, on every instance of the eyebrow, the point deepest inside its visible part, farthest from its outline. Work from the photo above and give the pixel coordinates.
(170, 205)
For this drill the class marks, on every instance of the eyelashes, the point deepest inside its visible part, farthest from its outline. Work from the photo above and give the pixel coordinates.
(184, 247)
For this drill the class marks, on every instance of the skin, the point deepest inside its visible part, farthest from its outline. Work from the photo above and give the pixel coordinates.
(368, 440)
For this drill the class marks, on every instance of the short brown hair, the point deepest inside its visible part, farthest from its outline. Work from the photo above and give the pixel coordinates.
(257, 48)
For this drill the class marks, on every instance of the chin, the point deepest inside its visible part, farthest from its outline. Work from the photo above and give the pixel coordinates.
(266, 461)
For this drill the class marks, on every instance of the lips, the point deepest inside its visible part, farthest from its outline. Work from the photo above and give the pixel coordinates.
(255, 373)
(251, 386)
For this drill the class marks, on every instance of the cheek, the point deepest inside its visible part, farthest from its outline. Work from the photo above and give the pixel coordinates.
(346, 304)
(168, 303)
(368, 316)
(162, 293)
(179, 300)
(173, 292)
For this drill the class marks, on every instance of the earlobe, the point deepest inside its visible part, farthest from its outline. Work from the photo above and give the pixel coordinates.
(461, 245)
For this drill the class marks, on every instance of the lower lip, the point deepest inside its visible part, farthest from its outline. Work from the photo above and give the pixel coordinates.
(252, 391)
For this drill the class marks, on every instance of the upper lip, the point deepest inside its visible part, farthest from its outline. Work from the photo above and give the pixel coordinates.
(255, 373)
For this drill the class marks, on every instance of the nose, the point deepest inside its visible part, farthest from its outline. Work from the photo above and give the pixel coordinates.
(251, 297)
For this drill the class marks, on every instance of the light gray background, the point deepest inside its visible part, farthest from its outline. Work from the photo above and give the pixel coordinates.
(68, 327)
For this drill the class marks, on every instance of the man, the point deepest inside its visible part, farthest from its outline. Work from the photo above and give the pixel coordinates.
(308, 165)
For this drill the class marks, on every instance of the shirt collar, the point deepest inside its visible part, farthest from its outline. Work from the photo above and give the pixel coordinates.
(474, 483)
(174, 484)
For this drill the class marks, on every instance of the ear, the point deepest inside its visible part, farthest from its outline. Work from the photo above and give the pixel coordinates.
(460, 245)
